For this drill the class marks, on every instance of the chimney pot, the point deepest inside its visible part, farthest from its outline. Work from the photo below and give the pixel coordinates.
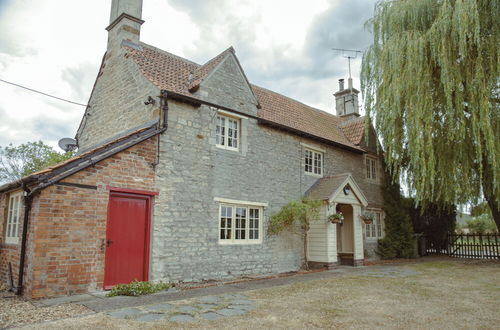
(341, 84)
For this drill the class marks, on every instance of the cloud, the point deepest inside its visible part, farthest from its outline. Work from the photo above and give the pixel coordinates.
(80, 78)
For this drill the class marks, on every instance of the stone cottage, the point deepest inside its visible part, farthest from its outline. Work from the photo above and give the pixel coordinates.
(179, 167)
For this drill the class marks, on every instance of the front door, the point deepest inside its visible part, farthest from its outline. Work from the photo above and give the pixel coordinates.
(127, 239)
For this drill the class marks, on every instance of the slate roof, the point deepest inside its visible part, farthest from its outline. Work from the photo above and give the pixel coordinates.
(326, 186)
(79, 162)
(179, 75)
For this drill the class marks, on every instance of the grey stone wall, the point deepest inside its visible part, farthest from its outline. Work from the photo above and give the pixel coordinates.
(267, 168)
(117, 101)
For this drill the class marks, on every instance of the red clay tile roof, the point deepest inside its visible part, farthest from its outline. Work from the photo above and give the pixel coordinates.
(354, 129)
(173, 73)
(201, 72)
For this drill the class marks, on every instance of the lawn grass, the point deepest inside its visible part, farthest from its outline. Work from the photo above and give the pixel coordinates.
(442, 295)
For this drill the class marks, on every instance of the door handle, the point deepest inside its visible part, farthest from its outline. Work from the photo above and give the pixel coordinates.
(108, 242)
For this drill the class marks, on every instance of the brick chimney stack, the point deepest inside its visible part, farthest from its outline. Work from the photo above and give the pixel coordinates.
(346, 100)
(124, 22)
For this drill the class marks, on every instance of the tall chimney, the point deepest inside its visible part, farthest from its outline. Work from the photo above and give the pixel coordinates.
(124, 22)
(346, 100)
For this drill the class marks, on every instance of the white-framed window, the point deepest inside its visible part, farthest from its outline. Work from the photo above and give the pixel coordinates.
(227, 132)
(371, 168)
(240, 224)
(375, 229)
(13, 218)
(313, 162)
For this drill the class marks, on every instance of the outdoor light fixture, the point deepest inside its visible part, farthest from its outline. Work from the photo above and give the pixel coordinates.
(347, 190)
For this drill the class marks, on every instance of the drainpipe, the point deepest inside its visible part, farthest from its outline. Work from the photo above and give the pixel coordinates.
(28, 198)
(164, 107)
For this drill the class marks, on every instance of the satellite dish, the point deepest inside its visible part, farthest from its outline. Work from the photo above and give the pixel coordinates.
(67, 144)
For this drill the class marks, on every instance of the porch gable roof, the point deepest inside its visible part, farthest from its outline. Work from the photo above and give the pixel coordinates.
(328, 187)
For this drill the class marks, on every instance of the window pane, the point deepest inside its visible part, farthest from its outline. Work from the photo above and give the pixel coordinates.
(220, 130)
(254, 224)
(368, 173)
(374, 169)
(308, 161)
(240, 228)
(379, 225)
(225, 222)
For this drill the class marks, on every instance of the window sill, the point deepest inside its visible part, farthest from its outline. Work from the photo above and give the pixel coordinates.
(227, 148)
(240, 243)
(313, 174)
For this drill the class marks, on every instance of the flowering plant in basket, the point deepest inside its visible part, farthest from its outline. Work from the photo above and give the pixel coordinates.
(367, 218)
(336, 217)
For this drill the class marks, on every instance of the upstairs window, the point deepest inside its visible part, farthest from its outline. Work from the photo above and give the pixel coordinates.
(375, 230)
(13, 218)
(227, 132)
(371, 168)
(313, 162)
(240, 224)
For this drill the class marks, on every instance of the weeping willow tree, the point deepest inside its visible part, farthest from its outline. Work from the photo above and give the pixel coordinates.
(431, 81)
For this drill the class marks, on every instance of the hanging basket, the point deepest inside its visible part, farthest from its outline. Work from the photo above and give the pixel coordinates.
(336, 218)
(368, 220)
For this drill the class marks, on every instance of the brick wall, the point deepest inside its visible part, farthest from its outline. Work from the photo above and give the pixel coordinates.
(68, 224)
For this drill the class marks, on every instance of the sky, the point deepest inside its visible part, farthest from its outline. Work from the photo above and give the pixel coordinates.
(56, 47)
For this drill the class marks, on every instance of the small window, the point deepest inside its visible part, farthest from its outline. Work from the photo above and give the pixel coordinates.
(371, 168)
(227, 132)
(313, 162)
(13, 218)
(375, 230)
(240, 224)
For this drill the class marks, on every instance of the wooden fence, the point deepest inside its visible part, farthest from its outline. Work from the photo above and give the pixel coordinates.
(472, 246)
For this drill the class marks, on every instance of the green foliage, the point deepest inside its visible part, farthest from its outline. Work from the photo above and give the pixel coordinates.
(296, 214)
(482, 224)
(480, 209)
(137, 288)
(434, 221)
(431, 85)
(20, 161)
(399, 241)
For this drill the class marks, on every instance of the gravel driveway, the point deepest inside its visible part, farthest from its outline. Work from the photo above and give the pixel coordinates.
(15, 311)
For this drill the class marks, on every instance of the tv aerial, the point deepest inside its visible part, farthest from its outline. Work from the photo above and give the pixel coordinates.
(349, 54)
(67, 144)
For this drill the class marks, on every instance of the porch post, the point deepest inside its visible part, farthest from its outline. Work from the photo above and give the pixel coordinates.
(358, 235)
(331, 236)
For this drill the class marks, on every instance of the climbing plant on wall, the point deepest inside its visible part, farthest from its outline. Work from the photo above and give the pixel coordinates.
(296, 216)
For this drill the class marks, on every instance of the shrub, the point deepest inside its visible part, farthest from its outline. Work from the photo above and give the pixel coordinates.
(398, 241)
(482, 224)
(137, 288)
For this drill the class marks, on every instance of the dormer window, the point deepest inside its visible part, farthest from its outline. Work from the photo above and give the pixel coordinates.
(227, 132)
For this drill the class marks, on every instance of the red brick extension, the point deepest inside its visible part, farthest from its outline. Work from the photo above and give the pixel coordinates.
(65, 252)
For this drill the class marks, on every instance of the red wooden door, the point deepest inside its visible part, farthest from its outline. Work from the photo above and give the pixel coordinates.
(127, 239)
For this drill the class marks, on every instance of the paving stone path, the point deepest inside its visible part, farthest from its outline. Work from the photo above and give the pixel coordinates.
(391, 272)
(201, 308)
